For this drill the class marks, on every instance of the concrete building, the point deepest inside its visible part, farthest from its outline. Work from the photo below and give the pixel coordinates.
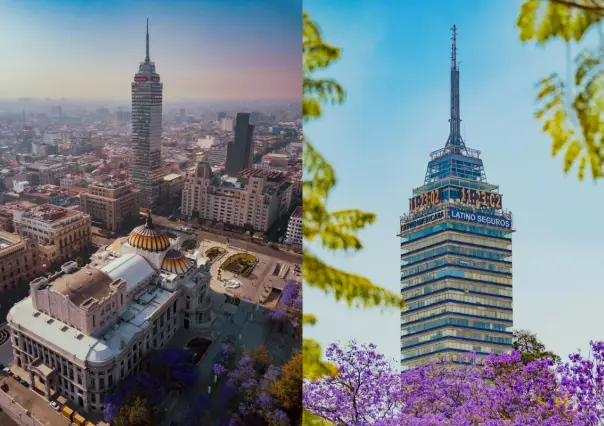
(61, 233)
(239, 152)
(19, 261)
(456, 256)
(293, 237)
(110, 203)
(145, 167)
(226, 124)
(83, 330)
(255, 199)
(72, 181)
(217, 154)
(6, 213)
(172, 186)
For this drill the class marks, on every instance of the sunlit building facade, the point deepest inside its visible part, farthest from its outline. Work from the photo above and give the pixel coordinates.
(456, 256)
(146, 171)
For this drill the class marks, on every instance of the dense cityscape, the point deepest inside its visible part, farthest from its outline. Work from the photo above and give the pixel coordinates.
(150, 252)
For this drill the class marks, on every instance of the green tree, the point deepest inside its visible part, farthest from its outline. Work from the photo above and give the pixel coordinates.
(136, 412)
(572, 116)
(531, 348)
(287, 389)
(334, 230)
(80, 261)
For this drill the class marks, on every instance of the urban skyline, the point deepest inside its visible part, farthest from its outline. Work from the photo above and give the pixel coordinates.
(217, 52)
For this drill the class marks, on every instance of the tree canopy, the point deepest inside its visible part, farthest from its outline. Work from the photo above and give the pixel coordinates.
(572, 113)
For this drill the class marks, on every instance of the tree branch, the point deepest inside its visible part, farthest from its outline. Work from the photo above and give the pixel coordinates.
(596, 8)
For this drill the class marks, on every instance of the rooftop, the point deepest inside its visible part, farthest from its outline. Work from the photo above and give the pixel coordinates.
(89, 348)
(83, 284)
(49, 213)
(132, 268)
(267, 174)
(8, 239)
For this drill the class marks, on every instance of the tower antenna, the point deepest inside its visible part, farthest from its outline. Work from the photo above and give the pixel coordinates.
(147, 60)
(455, 140)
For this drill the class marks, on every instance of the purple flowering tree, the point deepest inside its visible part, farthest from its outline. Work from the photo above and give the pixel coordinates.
(500, 391)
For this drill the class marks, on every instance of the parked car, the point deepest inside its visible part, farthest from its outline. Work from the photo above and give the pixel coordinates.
(4, 387)
(6, 370)
(55, 405)
(24, 383)
(17, 378)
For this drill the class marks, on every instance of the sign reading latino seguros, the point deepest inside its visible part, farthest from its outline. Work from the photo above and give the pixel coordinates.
(482, 219)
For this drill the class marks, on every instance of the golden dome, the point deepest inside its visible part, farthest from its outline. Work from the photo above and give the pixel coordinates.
(147, 238)
(176, 262)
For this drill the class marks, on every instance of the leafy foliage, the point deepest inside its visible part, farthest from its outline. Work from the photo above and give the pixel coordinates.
(574, 123)
(531, 348)
(334, 230)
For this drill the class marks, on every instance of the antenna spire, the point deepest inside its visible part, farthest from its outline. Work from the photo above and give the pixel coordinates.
(147, 60)
(455, 139)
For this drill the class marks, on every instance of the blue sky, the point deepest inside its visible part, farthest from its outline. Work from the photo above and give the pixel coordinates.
(395, 68)
(202, 49)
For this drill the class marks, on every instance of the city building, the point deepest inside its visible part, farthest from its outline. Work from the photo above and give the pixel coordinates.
(72, 181)
(124, 117)
(226, 124)
(239, 152)
(6, 213)
(456, 256)
(19, 261)
(83, 330)
(217, 154)
(293, 237)
(61, 233)
(253, 200)
(172, 186)
(110, 203)
(145, 166)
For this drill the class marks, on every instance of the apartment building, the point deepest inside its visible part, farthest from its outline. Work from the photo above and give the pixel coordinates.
(61, 233)
(19, 260)
(293, 237)
(256, 198)
(110, 203)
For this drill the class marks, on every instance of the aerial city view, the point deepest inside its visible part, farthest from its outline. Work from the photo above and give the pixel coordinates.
(151, 242)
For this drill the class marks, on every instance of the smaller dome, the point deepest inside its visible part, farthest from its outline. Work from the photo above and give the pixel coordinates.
(114, 247)
(176, 262)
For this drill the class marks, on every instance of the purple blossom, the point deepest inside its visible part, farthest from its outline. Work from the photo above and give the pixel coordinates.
(497, 391)
(278, 315)
(290, 293)
(219, 369)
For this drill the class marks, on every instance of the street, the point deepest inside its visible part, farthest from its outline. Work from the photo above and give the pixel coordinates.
(240, 243)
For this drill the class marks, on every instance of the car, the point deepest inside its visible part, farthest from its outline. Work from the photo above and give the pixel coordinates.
(24, 383)
(2, 366)
(4, 387)
(17, 378)
(6, 370)
(55, 405)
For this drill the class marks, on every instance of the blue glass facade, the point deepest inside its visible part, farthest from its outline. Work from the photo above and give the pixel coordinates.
(456, 256)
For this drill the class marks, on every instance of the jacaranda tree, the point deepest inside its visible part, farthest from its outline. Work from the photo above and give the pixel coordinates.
(502, 390)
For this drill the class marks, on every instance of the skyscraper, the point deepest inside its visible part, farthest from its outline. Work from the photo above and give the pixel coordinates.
(456, 255)
(145, 168)
(239, 152)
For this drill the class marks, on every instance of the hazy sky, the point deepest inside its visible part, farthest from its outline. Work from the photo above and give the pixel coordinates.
(216, 49)
(395, 69)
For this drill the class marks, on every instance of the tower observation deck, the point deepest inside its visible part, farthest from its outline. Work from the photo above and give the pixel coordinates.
(456, 254)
